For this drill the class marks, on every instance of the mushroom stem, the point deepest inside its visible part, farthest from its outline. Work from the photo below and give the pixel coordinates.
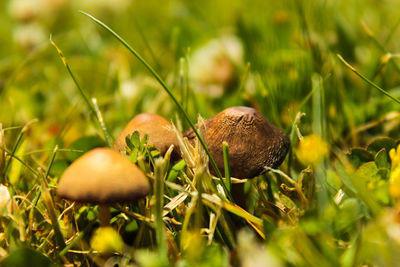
(104, 215)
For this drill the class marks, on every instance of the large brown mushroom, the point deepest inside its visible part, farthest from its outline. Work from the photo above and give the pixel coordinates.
(254, 143)
(103, 176)
(158, 129)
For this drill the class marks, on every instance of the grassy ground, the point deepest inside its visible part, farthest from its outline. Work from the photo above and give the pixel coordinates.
(325, 72)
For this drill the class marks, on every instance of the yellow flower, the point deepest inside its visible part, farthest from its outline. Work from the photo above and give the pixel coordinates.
(106, 240)
(394, 179)
(312, 149)
(395, 157)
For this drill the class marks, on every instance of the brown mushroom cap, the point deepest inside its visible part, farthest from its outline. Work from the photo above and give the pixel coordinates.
(159, 131)
(103, 176)
(253, 141)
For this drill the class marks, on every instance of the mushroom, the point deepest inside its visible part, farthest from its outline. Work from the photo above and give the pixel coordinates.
(103, 176)
(254, 142)
(159, 131)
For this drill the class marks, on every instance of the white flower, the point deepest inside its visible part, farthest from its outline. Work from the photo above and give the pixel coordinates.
(29, 35)
(115, 6)
(212, 66)
(28, 10)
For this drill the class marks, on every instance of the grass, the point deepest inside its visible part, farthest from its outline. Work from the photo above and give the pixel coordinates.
(325, 72)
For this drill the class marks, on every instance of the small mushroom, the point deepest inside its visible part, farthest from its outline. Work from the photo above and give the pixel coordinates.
(159, 131)
(103, 176)
(254, 142)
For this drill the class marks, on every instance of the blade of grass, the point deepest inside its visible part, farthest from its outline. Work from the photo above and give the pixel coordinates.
(101, 121)
(137, 216)
(159, 173)
(39, 192)
(318, 127)
(85, 98)
(49, 150)
(12, 128)
(20, 160)
(294, 134)
(52, 213)
(15, 147)
(53, 156)
(168, 91)
(189, 212)
(76, 239)
(225, 150)
(381, 46)
(366, 79)
(49, 202)
(232, 208)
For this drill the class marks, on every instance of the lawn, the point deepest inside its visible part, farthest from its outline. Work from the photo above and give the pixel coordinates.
(283, 116)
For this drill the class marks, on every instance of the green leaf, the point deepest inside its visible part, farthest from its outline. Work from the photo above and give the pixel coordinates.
(132, 226)
(381, 142)
(333, 179)
(155, 153)
(367, 170)
(175, 170)
(128, 142)
(345, 177)
(134, 155)
(349, 213)
(144, 141)
(359, 156)
(91, 215)
(135, 139)
(382, 159)
(370, 186)
(26, 257)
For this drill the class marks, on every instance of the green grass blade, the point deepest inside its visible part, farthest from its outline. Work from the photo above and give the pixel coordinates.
(26, 165)
(318, 126)
(15, 147)
(159, 173)
(76, 239)
(367, 80)
(99, 117)
(53, 157)
(85, 98)
(225, 150)
(49, 203)
(164, 85)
